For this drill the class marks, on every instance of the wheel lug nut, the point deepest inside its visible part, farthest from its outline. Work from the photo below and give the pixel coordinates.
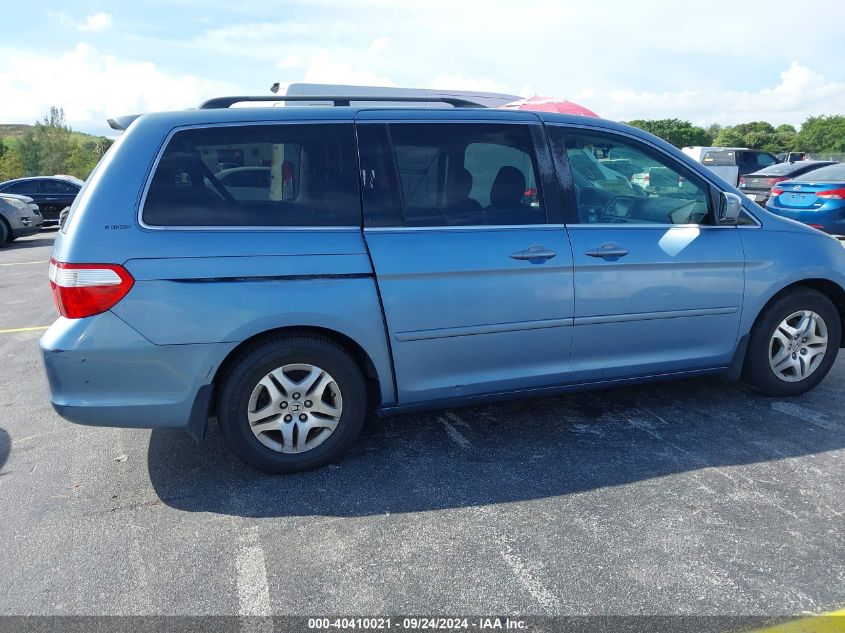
(303, 417)
(284, 405)
(803, 350)
(288, 418)
(794, 355)
(296, 396)
(308, 403)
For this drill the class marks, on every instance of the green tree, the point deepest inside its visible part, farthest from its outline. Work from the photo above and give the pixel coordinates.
(728, 137)
(54, 137)
(10, 164)
(822, 134)
(678, 133)
(29, 153)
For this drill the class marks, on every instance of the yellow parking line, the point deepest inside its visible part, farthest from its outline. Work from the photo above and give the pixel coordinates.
(15, 330)
(25, 263)
(831, 622)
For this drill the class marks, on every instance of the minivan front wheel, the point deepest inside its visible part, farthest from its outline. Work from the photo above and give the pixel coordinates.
(292, 403)
(794, 343)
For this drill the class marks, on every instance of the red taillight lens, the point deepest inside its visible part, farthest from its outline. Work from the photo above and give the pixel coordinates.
(776, 192)
(774, 181)
(816, 226)
(742, 181)
(832, 193)
(83, 290)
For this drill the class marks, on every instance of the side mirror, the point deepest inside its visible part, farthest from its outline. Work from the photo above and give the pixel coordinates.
(730, 206)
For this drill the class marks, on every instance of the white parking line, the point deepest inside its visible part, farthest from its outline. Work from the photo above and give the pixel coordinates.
(455, 434)
(25, 263)
(253, 591)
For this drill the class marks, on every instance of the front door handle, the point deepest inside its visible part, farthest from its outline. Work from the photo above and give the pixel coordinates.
(610, 252)
(534, 252)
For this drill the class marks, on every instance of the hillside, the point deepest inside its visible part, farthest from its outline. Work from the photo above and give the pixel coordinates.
(11, 132)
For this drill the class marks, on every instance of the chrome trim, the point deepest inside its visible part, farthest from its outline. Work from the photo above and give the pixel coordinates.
(151, 172)
(470, 330)
(650, 316)
(613, 225)
(467, 227)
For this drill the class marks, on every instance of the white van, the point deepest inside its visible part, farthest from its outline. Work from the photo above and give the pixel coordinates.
(487, 99)
(731, 162)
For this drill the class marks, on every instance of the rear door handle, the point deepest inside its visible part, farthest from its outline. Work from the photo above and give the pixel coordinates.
(609, 252)
(534, 252)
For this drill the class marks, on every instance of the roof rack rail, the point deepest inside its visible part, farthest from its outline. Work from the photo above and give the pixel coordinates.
(225, 102)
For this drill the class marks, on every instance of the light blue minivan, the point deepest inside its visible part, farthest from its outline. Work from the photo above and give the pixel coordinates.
(292, 270)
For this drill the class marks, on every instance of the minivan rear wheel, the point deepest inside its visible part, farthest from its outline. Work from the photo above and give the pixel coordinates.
(292, 403)
(794, 343)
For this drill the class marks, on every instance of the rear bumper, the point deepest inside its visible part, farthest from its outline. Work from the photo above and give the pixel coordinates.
(103, 373)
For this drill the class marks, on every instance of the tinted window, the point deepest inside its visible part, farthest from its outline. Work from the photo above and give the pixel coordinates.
(765, 160)
(659, 191)
(292, 175)
(720, 158)
(832, 173)
(466, 174)
(58, 186)
(784, 169)
(24, 187)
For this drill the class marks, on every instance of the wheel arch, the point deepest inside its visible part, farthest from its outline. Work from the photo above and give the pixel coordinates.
(828, 288)
(359, 354)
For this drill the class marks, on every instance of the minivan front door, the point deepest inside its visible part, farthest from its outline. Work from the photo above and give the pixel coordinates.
(658, 287)
(476, 284)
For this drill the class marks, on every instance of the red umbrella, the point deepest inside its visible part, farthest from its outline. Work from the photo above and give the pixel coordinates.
(550, 104)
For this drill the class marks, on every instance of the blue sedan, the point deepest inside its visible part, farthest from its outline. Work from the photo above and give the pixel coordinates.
(816, 198)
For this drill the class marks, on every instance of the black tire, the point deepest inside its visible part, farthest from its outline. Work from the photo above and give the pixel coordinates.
(256, 362)
(758, 372)
(5, 233)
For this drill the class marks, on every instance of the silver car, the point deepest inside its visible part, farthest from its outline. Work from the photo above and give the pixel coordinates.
(19, 217)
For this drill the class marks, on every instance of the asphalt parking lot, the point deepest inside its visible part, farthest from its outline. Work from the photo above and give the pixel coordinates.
(694, 497)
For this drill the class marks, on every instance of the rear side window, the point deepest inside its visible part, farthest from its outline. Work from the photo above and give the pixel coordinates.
(256, 175)
(58, 186)
(466, 174)
(831, 173)
(719, 158)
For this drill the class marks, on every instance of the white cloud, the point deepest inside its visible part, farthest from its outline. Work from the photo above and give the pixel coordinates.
(378, 45)
(96, 22)
(92, 86)
(800, 93)
(93, 23)
(290, 61)
(326, 67)
(464, 82)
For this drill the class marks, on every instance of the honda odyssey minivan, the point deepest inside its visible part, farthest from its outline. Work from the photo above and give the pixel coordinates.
(398, 258)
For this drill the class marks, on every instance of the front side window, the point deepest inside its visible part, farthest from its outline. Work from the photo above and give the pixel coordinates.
(466, 174)
(620, 182)
(24, 187)
(256, 175)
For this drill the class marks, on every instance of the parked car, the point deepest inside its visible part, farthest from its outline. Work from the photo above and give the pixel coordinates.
(19, 217)
(731, 162)
(816, 198)
(426, 258)
(246, 183)
(50, 193)
(758, 185)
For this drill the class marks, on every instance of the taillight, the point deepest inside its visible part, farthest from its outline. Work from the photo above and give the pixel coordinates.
(774, 181)
(816, 226)
(832, 193)
(776, 192)
(83, 290)
(742, 181)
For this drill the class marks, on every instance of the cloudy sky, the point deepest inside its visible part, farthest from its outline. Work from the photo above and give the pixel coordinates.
(710, 61)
